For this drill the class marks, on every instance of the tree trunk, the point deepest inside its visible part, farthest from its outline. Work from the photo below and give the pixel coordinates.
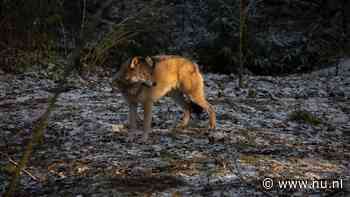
(242, 40)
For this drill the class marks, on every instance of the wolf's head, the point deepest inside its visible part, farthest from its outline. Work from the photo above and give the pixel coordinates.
(137, 70)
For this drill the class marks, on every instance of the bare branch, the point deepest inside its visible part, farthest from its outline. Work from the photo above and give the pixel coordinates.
(23, 170)
(41, 124)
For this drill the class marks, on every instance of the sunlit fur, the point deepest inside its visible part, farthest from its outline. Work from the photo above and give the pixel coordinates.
(175, 76)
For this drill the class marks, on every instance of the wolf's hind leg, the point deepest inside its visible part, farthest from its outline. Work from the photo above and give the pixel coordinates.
(180, 99)
(200, 100)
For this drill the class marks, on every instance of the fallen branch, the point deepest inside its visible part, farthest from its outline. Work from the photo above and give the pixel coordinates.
(23, 170)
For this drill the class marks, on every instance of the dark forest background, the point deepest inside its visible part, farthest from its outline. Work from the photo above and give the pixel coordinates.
(283, 36)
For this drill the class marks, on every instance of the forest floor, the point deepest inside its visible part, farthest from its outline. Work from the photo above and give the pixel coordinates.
(293, 127)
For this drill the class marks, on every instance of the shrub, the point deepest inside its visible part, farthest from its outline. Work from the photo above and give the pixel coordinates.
(303, 116)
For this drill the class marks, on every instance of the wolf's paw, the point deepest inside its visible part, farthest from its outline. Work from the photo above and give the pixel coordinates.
(181, 125)
(145, 138)
(133, 135)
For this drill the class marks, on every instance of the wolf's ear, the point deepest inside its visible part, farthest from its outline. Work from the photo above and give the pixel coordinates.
(149, 61)
(134, 62)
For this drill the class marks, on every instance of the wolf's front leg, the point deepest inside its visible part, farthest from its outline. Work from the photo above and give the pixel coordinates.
(132, 134)
(147, 119)
(132, 116)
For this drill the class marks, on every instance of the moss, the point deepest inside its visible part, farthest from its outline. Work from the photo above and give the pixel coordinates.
(254, 159)
(252, 93)
(304, 116)
(168, 156)
(8, 169)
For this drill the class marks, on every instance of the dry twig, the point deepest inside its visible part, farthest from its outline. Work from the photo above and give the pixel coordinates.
(23, 170)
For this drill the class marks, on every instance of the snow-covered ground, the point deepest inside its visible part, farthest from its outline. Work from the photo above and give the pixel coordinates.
(261, 133)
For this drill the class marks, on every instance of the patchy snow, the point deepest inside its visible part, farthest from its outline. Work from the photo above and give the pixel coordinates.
(85, 151)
